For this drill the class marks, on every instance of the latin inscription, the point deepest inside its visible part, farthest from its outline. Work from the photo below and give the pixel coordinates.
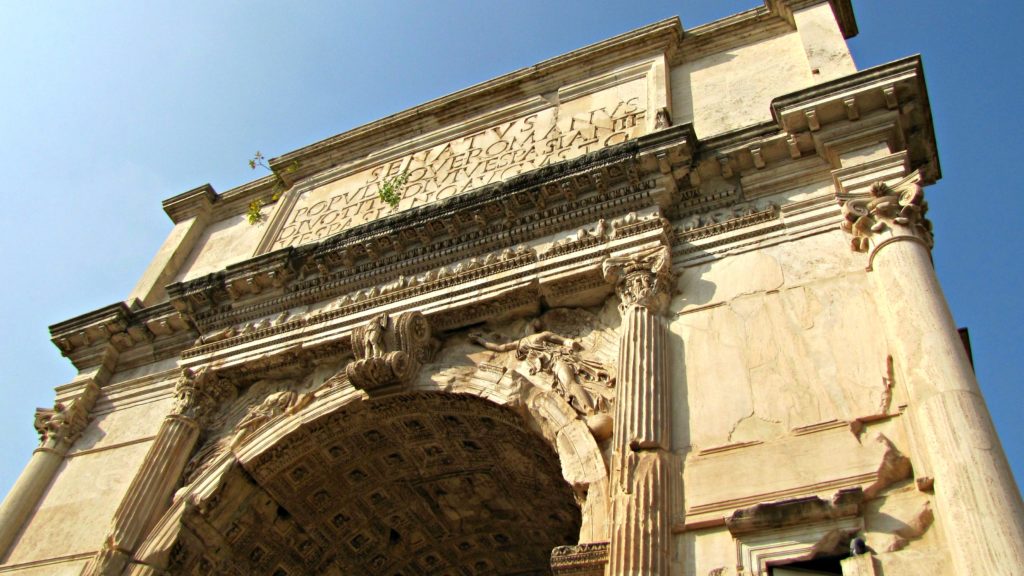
(491, 155)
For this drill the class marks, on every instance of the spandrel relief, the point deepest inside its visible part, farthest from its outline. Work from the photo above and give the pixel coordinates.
(568, 398)
(584, 384)
(261, 403)
(568, 353)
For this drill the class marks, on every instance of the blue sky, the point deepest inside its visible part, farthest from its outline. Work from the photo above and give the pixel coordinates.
(109, 108)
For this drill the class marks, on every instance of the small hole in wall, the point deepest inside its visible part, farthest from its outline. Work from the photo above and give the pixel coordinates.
(815, 71)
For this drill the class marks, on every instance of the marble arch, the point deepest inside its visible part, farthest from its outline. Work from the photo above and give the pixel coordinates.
(488, 472)
(773, 389)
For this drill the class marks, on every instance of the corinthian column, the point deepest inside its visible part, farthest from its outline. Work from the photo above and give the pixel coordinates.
(979, 505)
(197, 397)
(641, 458)
(58, 429)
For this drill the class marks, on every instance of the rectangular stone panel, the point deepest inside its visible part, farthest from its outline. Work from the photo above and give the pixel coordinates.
(578, 119)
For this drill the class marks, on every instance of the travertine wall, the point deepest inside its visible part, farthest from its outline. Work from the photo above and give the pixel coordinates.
(642, 261)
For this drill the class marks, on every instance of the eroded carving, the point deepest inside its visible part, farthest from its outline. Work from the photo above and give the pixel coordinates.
(643, 278)
(285, 402)
(899, 209)
(585, 384)
(580, 560)
(389, 351)
(845, 503)
(199, 394)
(64, 423)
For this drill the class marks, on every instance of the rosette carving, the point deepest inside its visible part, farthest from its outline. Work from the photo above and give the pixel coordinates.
(898, 210)
(641, 279)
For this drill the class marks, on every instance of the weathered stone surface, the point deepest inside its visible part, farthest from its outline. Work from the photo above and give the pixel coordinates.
(70, 519)
(782, 357)
(614, 326)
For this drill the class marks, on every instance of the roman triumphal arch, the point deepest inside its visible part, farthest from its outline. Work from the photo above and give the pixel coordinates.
(660, 306)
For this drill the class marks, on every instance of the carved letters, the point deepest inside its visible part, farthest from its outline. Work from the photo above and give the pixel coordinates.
(494, 154)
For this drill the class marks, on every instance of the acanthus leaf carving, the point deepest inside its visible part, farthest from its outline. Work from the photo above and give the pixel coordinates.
(899, 209)
(64, 423)
(199, 394)
(643, 278)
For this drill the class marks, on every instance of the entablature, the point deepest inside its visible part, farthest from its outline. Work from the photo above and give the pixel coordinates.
(704, 197)
(887, 102)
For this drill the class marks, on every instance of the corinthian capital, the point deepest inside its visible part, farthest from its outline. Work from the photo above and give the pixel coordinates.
(62, 425)
(643, 278)
(199, 394)
(888, 211)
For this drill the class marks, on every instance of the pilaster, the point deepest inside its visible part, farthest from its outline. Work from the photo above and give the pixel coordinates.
(58, 429)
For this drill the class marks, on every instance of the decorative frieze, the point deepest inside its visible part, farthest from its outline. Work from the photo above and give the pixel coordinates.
(580, 560)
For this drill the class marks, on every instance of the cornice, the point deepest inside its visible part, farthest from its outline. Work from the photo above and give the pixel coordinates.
(733, 31)
(195, 202)
(119, 331)
(490, 218)
(659, 37)
(844, 105)
(465, 247)
(366, 264)
(666, 37)
(842, 9)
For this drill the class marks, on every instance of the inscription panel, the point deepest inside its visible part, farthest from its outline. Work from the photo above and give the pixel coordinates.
(502, 150)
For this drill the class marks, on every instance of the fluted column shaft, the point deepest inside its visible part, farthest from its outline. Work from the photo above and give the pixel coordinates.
(979, 505)
(150, 492)
(641, 457)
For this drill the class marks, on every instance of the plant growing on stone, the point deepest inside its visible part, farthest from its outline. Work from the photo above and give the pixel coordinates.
(254, 214)
(390, 189)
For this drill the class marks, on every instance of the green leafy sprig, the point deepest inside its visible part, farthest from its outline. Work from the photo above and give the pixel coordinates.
(255, 214)
(390, 189)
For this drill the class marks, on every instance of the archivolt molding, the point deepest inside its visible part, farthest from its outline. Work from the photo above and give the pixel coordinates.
(266, 458)
(258, 442)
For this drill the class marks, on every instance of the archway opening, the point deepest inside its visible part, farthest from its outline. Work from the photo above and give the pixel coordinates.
(418, 483)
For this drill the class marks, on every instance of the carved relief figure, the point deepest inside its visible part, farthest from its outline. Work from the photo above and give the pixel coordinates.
(583, 383)
(285, 402)
(373, 336)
